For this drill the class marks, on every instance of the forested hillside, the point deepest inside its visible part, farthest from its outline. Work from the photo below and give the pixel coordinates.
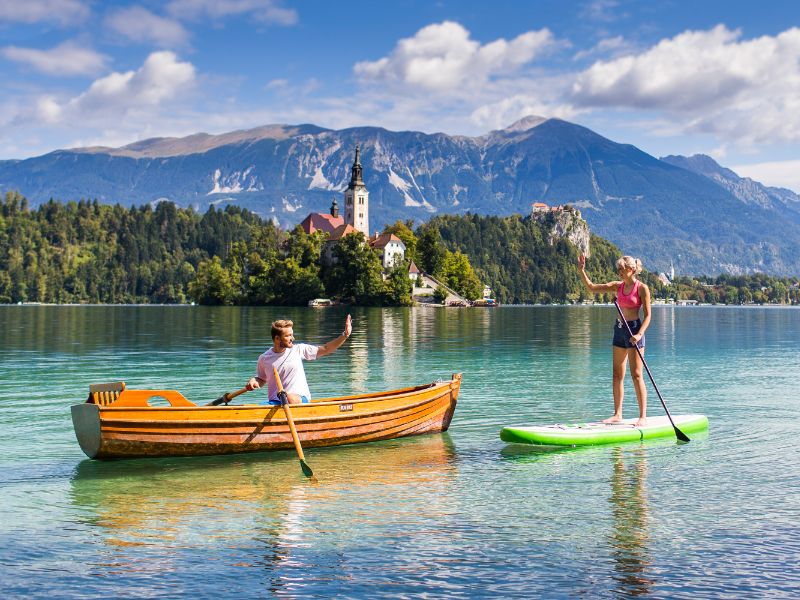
(86, 252)
(514, 255)
(90, 252)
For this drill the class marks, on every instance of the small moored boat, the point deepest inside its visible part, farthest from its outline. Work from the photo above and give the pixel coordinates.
(116, 422)
(320, 302)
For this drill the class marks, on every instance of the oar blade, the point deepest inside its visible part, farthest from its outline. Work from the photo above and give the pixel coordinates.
(680, 435)
(306, 469)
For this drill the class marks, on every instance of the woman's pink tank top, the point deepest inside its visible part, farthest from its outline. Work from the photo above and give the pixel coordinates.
(631, 300)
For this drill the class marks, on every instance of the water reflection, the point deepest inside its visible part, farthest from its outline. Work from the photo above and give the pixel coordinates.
(145, 511)
(630, 537)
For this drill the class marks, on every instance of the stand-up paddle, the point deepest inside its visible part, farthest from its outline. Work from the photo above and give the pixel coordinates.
(227, 397)
(678, 433)
(285, 403)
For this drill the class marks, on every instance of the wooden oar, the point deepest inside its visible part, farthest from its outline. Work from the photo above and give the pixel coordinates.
(285, 402)
(678, 433)
(227, 397)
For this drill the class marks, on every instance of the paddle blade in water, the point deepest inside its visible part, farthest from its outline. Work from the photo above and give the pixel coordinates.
(680, 435)
(307, 470)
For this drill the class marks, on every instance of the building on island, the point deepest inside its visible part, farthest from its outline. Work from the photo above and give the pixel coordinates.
(356, 198)
(413, 271)
(389, 247)
(356, 207)
(323, 222)
(333, 238)
(540, 208)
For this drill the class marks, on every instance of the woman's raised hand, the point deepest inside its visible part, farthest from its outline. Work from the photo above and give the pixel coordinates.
(582, 261)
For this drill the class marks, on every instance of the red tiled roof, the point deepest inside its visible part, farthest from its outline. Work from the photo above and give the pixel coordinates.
(413, 268)
(341, 231)
(383, 240)
(321, 222)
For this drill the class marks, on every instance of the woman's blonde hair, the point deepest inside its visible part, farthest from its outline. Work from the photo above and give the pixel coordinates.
(629, 262)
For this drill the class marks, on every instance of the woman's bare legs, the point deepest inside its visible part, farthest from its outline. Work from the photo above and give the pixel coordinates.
(620, 359)
(638, 384)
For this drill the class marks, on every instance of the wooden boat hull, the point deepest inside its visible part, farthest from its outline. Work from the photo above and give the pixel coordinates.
(129, 427)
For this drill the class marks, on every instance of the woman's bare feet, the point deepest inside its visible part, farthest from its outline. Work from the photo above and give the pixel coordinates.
(613, 419)
(641, 422)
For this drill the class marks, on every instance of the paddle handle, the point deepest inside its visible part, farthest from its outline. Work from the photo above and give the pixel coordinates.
(681, 436)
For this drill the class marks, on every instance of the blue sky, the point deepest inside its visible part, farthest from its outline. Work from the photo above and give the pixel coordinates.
(671, 77)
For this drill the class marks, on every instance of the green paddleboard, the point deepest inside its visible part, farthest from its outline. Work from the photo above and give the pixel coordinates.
(591, 434)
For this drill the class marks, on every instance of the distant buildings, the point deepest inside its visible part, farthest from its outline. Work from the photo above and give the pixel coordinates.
(389, 247)
(323, 222)
(540, 208)
(356, 198)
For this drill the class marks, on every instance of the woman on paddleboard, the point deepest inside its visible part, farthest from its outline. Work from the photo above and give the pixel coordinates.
(633, 297)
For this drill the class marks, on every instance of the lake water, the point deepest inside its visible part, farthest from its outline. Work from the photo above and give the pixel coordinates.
(457, 515)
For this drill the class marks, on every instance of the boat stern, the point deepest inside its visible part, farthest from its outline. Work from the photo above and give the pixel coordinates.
(86, 421)
(455, 387)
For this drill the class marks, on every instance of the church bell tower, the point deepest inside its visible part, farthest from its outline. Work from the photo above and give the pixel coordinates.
(356, 198)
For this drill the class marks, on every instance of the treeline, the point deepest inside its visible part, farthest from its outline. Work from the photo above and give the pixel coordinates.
(87, 252)
(513, 255)
(735, 289)
(91, 252)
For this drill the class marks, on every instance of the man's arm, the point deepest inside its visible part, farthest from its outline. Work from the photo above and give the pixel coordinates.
(326, 349)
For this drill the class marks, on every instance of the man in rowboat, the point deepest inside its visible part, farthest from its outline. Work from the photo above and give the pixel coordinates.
(287, 357)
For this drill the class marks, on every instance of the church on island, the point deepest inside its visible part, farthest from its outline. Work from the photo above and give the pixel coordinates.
(389, 247)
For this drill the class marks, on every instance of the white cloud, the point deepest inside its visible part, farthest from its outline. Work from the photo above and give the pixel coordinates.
(65, 60)
(614, 46)
(48, 109)
(442, 57)
(784, 173)
(63, 12)
(266, 11)
(162, 77)
(601, 10)
(504, 112)
(140, 25)
(712, 81)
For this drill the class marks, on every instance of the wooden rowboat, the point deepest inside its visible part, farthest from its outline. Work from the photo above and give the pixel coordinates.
(116, 422)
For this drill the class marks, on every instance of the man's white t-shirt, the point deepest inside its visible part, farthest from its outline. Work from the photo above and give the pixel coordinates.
(290, 369)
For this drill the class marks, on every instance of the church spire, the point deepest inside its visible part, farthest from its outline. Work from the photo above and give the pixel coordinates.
(356, 198)
(357, 173)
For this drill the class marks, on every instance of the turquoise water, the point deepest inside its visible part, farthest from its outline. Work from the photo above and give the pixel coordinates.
(453, 515)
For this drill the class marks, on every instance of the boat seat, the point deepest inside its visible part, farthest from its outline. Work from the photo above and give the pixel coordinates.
(105, 393)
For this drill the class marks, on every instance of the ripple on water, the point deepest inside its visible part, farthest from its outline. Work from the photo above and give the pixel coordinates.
(454, 515)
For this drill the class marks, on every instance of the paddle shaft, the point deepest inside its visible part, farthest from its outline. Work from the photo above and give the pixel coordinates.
(295, 438)
(227, 397)
(680, 435)
(293, 429)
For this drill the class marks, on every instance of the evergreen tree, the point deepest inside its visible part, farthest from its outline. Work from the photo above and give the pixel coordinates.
(356, 273)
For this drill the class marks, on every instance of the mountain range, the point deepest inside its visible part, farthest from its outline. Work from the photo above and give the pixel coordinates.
(688, 211)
